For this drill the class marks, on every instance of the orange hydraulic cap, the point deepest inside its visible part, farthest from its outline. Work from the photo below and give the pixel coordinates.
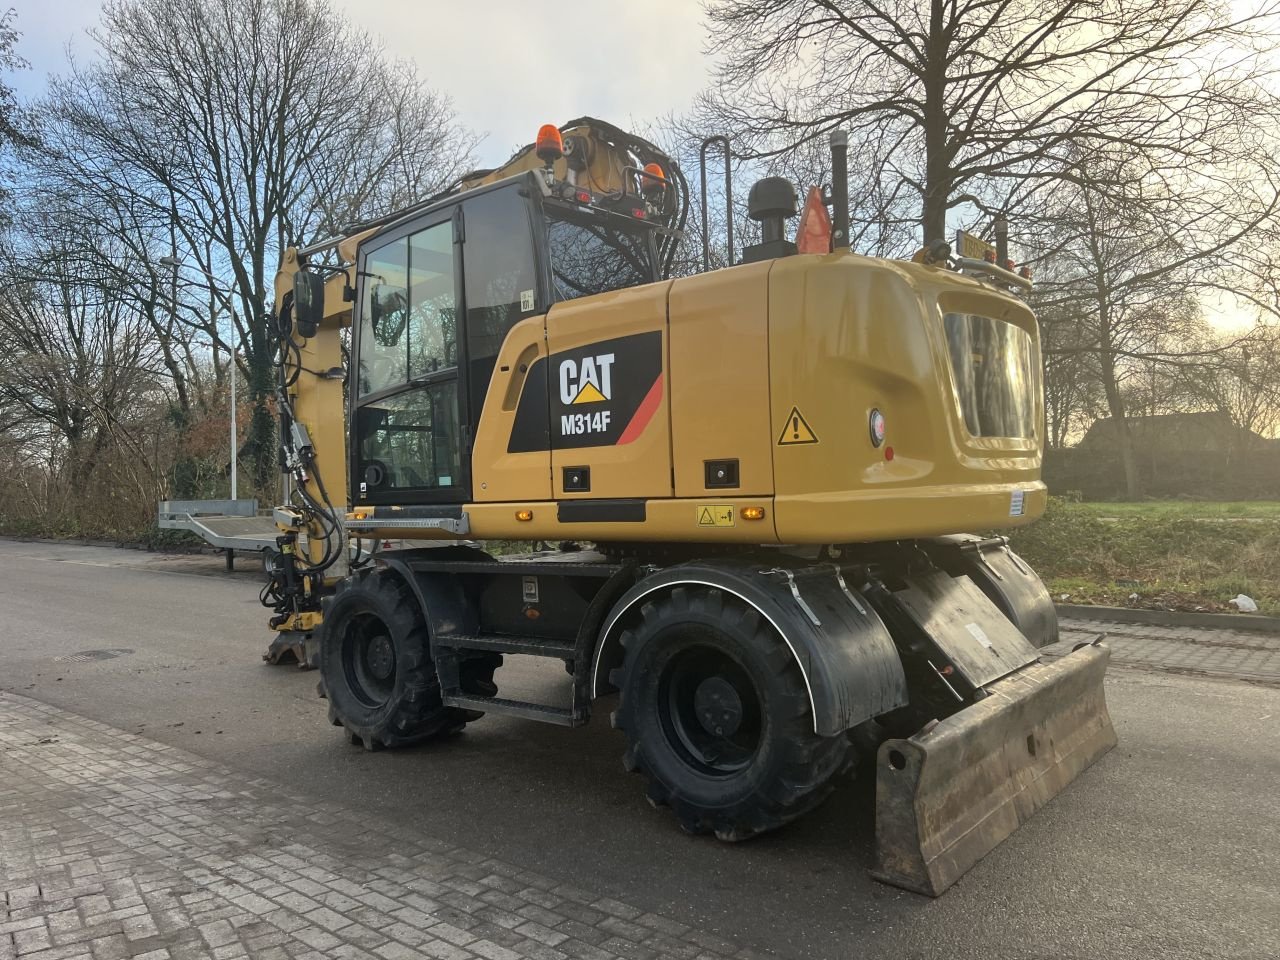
(549, 145)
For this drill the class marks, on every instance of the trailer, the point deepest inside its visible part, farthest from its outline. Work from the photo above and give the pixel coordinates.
(230, 525)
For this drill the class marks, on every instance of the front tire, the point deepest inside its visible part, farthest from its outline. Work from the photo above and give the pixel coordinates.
(376, 667)
(717, 717)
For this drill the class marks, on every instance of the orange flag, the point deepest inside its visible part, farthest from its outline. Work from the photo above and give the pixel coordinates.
(814, 234)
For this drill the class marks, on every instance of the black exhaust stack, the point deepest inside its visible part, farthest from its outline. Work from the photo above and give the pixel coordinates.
(839, 190)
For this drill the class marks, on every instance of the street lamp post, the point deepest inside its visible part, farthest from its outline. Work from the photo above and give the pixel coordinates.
(175, 264)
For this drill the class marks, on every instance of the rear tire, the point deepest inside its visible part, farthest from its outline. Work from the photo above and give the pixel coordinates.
(717, 717)
(376, 666)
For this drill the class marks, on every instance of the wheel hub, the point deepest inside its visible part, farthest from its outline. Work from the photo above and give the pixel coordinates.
(381, 657)
(368, 656)
(710, 710)
(718, 707)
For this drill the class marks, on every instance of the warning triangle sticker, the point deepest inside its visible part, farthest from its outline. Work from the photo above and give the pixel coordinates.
(796, 430)
(589, 394)
(705, 519)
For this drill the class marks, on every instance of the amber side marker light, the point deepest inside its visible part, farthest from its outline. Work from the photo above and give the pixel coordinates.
(524, 516)
(753, 513)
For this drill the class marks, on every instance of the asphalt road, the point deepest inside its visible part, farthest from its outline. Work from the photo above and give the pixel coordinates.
(1169, 847)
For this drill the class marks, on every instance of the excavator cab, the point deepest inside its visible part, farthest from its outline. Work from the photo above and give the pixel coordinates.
(436, 295)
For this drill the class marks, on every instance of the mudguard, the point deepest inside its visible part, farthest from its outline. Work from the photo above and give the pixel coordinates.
(951, 793)
(849, 661)
(445, 607)
(1006, 579)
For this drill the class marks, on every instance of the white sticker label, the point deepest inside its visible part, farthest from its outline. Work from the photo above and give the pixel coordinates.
(979, 634)
(526, 300)
(530, 589)
(1015, 503)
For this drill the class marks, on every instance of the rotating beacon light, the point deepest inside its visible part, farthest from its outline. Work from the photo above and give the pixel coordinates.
(549, 147)
(653, 188)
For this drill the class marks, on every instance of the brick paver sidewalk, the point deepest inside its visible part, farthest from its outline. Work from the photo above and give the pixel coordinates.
(1228, 654)
(114, 846)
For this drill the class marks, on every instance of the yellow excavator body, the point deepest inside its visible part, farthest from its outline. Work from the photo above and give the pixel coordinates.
(773, 372)
(775, 462)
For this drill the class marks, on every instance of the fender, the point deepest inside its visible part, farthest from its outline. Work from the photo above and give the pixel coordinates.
(1006, 579)
(844, 651)
(444, 606)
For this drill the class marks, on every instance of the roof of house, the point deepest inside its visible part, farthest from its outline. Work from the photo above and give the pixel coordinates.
(1210, 430)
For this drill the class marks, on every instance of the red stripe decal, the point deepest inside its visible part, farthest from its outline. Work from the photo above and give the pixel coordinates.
(644, 413)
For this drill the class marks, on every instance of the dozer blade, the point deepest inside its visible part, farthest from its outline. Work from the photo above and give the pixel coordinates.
(951, 793)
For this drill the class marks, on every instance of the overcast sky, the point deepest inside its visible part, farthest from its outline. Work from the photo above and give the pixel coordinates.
(509, 65)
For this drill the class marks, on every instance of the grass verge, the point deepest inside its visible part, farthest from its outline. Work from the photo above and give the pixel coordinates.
(1154, 560)
(1184, 509)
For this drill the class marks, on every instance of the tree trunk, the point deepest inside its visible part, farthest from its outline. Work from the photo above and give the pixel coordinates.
(260, 445)
(1124, 438)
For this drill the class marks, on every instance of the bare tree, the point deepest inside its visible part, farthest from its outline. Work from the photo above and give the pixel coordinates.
(1241, 381)
(973, 104)
(1125, 274)
(79, 363)
(219, 132)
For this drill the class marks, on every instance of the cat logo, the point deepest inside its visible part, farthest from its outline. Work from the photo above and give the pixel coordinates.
(587, 381)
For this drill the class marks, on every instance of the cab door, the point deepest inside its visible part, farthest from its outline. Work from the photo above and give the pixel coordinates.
(408, 421)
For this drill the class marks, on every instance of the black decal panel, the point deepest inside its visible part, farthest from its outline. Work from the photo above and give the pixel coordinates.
(599, 389)
(529, 431)
(597, 395)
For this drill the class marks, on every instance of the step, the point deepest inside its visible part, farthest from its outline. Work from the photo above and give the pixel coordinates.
(514, 708)
(526, 646)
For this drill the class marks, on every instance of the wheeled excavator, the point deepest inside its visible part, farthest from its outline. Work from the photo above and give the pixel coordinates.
(760, 478)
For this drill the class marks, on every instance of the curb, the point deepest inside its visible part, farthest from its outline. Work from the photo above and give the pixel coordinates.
(1172, 618)
(187, 549)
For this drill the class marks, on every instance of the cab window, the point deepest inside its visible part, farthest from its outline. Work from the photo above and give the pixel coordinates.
(500, 279)
(409, 440)
(590, 254)
(408, 326)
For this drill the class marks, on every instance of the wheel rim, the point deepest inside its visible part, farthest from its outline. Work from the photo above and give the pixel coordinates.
(711, 711)
(369, 659)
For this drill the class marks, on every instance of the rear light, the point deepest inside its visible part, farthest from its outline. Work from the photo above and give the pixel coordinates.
(638, 213)
(1025, 273)
(989, 256)
(877, 427)
(583, 196)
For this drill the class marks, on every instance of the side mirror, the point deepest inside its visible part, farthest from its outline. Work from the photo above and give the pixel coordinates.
(308, 302)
